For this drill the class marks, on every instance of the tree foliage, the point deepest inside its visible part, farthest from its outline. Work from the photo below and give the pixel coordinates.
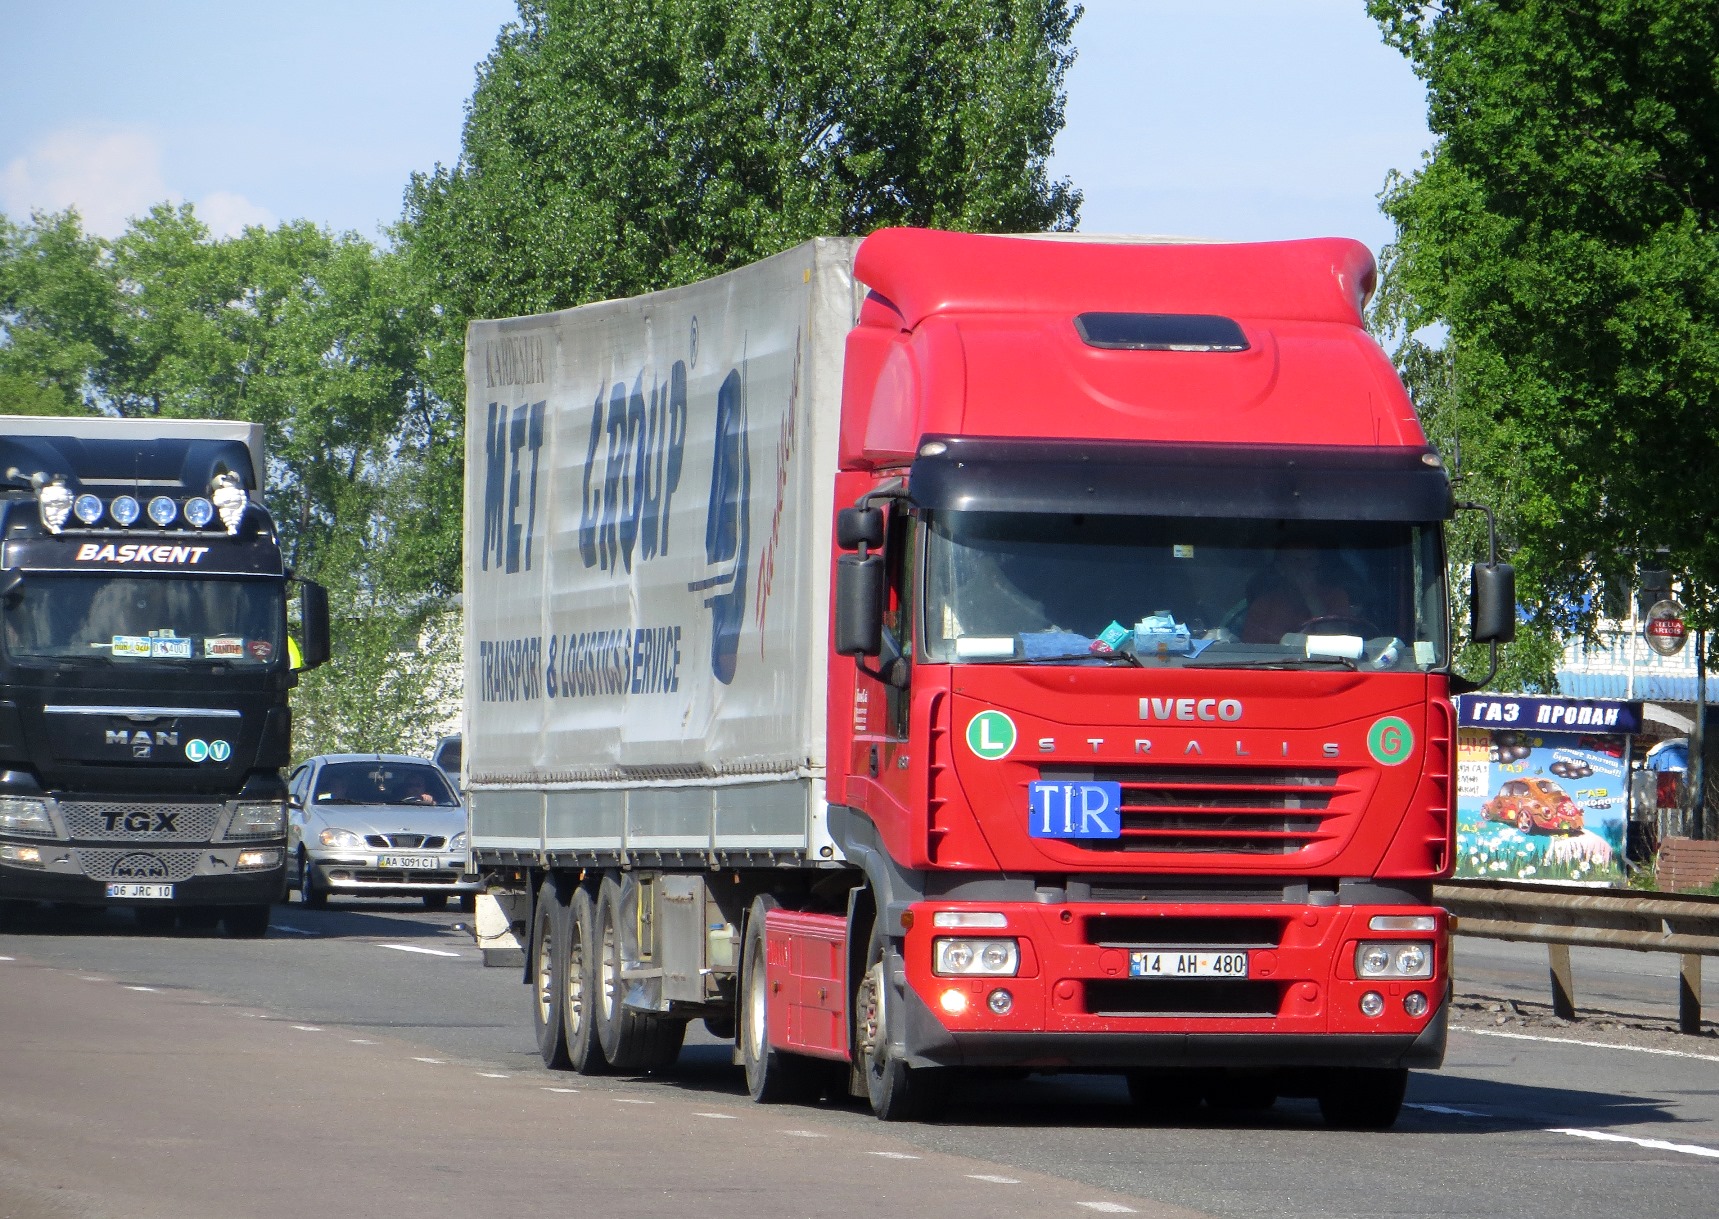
(619, 146)
(318, 337)
(1562, 231)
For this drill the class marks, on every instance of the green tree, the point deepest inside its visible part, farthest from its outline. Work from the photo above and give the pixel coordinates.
(58, 308)
(618, 146)
(1562, 230)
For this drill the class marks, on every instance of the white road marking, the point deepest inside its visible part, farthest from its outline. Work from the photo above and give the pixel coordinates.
(491, 1075)
(994, 1180)
(892, 1155)
(805, 1134)
(149, 989)
(8, 958)
(291, 930)
(1601, 1136)
(429, 952)
(560, 1089)
(434, 1062)
(361, 1041)
(87, 978)
(1109, 1208)
(627, 1100)
(307, 1028)
(1592, 1045)
(725, 1117)
(1446, 1109)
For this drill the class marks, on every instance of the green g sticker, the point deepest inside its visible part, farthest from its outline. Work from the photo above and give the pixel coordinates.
(1391, 741)
(991, 735)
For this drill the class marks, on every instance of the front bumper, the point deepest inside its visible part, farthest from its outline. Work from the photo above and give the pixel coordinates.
(358, 874)
(222, 886)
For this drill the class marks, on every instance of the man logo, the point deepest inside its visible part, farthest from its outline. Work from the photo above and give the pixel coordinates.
(140, 866)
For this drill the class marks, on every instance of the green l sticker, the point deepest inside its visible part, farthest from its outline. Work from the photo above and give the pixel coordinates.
(990, 735)
(1391, 741)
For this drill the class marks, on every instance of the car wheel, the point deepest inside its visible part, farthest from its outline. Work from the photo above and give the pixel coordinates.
(579, 982)
(309, 892)
(772, 1077)
(246, 922)
(1362, 1098)
(898, 1092)
(435, 901)
(548, 952)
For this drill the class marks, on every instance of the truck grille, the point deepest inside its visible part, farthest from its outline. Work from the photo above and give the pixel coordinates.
(142, 822)
(1190, 997)
(1211, 810)
(417, 842)
(137, 865)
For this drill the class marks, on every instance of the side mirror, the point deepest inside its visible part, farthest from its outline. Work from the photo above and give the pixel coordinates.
(313, 614)
(859, 526)
(1492, 603)
(860, 586)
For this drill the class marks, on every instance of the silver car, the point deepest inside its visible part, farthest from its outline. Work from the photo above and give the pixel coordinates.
(377, 825)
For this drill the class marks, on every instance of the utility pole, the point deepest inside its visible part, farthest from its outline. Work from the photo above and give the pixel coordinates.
(1698, 743)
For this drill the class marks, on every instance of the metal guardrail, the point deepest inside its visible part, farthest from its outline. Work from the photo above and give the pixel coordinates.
(1563, 915)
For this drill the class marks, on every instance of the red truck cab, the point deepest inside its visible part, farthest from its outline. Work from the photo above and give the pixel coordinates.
(1139, 717)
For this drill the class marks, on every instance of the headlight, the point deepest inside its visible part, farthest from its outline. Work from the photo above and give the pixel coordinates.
(254, 820)
(250, 861)
(457, 842)
(19, 816)
(984, 958)
(343, 839)
(1393, 959)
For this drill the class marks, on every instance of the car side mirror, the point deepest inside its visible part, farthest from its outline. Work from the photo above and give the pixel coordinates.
(856, 527)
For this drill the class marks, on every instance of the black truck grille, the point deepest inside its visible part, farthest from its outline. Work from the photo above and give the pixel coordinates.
(125, 864)
(1191, 997)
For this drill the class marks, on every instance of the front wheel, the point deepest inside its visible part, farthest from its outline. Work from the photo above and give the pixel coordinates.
(898, 1092)
(1362, 1098)
(309, 892)
(772, 1077)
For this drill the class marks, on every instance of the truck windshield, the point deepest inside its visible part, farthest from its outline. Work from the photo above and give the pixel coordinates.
(134, 619)
(1041, 588)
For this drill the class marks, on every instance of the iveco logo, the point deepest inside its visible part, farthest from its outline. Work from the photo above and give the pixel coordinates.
(1227, 709)
(138, 866)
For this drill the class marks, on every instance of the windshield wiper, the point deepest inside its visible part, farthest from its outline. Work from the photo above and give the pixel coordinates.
(1127, 658)
(1290, 662)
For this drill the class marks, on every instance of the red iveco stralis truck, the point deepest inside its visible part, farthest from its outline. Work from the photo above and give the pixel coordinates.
(944, 651)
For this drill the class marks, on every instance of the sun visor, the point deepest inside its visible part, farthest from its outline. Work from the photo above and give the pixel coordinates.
(1126, 478)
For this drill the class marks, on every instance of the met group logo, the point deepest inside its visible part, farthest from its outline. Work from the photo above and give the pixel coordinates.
(728, 528)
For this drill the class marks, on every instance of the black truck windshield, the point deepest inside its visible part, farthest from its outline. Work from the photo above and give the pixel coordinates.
(129, 619)
(1042, 588)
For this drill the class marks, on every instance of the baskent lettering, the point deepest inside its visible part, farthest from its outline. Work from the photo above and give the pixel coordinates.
(96, 552)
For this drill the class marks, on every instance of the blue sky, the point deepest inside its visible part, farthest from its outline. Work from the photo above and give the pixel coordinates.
(1238, 119)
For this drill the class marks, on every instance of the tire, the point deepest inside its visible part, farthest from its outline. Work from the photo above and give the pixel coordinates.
(1165, 1096)
(622, 1033)
(1362, 1098)
(898, 1092)
(579, 985)
(309, 892)
(549, 929)
(156, 920)
(772, 1076)
(246, 922)
(435, 901)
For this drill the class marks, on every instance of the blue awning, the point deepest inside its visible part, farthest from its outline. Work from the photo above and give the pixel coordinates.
(1668, 755)
(1649, 687)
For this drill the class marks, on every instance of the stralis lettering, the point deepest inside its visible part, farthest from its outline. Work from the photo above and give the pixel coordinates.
(510, 670)
(95, 552)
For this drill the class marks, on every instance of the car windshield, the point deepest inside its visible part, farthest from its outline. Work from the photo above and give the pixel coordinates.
(412, 783)
(145, 618)
(1025, 588)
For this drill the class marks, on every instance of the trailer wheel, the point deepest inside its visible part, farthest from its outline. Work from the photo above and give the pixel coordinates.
(898, 1092)
(548, 948)
(1362, 1098)
(621, 1032)
(772, 1077)
(578, 979)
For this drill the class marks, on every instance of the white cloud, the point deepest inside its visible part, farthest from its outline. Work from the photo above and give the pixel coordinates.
(228, 214)
(110, 175)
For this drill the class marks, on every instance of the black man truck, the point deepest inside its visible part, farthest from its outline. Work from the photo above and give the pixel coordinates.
(144, 670)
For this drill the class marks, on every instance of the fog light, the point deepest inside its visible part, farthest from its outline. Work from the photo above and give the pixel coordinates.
(1001, 1002)
(1372, 1003)
(954, 1002)
(260, 859)
(199, 511)
(87, 508)
(124, 510)
(1415, 1003)
(25, 855)
(163, 511)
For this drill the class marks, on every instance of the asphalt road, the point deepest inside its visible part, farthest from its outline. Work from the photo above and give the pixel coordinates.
(361, 1061)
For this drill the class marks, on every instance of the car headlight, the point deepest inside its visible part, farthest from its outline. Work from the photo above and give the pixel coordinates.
(1393, 959)
(20, 816)
(342, 839)
(457, 842)
(255, 820)
(983, 958)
